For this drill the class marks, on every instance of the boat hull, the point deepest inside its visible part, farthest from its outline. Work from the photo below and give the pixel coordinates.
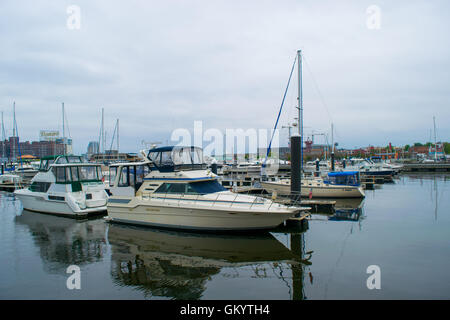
(156, 214)
(38, 203)
(315, 191)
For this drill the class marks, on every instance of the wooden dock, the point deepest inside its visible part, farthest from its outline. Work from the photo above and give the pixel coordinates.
(426, 167)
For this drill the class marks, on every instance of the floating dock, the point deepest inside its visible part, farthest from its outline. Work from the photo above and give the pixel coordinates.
(426, 167)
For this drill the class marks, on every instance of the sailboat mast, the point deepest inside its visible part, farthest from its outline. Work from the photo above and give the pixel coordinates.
(3, 138)
(14, 130)
(332, 138)
(64, 130)
(300, 104)
(14, 119)
(117, 139)
(103, 136)
(435, 146)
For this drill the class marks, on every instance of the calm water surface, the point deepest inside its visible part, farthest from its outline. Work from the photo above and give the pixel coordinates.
(404, 228)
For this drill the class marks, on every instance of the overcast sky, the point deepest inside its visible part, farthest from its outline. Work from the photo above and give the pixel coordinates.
(161, 65)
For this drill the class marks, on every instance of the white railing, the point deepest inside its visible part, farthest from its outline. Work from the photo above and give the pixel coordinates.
(227, 199)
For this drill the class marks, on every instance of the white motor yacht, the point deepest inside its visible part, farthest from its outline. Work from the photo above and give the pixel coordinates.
(65, 185)
(173, 189)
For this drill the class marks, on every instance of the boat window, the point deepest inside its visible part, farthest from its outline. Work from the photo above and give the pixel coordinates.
(61, 160)
(141, 172)
(196, 154)
(155, 157)
(68, 175)
(204, 187)
(74, 171)
(172, 188)
(40, 186)
(74, 159)
(89, 173)
(182, 156)
(166, 159)
(60, 173)
(124, 179)
(43, 165)
(132, 175)
(112, 175)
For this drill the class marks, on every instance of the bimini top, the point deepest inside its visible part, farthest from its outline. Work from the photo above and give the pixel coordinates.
(342, 173)
(346, 178)
(175, 158)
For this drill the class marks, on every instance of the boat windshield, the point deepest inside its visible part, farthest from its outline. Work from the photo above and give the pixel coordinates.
(200, 187)
(69, 174)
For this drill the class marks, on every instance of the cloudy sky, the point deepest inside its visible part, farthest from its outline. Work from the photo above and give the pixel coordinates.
(161, 65)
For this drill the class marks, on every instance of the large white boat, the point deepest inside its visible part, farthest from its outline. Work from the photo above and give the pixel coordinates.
(337, 185)
(65, 185)
(173, 189)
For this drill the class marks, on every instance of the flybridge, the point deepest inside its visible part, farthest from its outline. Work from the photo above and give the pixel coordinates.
(46, 162)
(176, 158)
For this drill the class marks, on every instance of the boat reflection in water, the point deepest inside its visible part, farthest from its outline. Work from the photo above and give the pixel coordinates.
(344, 210)
(178, 264)
(348, 210)
(64, 241)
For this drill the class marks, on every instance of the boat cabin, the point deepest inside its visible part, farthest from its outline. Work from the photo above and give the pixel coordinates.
(73, 170)
(127, 178)
(345, 178)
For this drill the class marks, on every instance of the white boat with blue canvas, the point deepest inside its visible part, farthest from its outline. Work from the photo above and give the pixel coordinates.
(173, 189)
(344, 184)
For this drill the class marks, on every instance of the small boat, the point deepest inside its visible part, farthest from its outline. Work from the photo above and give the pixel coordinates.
(368, 168)
(173, 189)
(336, 185)
(65, 185)
(26, 171)
(9, 182)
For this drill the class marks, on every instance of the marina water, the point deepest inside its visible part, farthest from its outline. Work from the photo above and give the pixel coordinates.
(403, 228)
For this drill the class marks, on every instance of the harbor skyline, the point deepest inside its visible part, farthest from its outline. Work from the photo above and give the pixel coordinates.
(230, 73)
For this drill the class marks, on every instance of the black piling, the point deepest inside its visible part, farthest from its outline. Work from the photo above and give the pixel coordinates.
(317, 168)
(296, 163)
(332, 161)
(214, 168)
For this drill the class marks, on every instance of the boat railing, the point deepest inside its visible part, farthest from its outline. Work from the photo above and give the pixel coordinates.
(227, 199)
